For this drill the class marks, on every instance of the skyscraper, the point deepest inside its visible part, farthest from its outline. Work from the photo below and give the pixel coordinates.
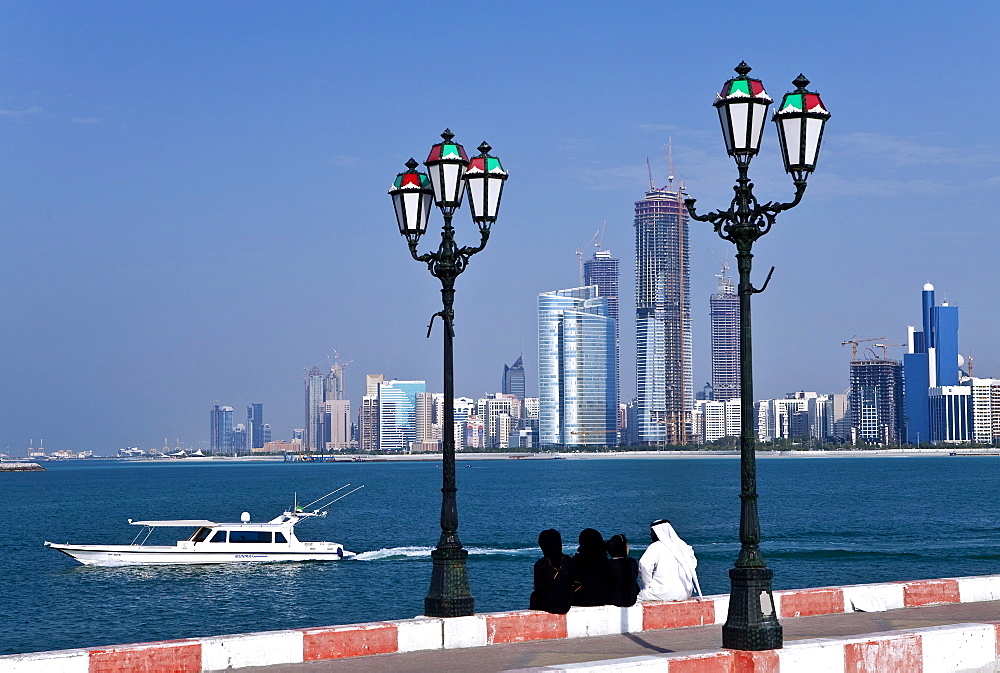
(397, 414)
(602, 271)
(513, 379)
(931, 361)
(368, 413)
(577, 382)
(664, 383)
(724, 310)
(221, 429)
(334, 384)
(314, 397)
(255, 425)
(876, 400)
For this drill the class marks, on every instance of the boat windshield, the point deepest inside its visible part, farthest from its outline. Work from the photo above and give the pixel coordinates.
(201, 534)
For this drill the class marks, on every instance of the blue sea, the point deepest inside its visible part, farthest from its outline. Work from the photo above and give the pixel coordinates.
(824, 521)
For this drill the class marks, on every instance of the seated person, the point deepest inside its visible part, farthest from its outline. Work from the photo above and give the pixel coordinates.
(668, 566)
(623, 584)
(553, 576)
(590, 565)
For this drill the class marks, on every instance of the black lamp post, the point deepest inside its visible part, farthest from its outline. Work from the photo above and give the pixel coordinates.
(450, 173)
(742, 104)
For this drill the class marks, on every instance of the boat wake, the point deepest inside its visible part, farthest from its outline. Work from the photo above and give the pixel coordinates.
(400, 553)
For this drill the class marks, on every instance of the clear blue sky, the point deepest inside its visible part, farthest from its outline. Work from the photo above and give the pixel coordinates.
(193, 195)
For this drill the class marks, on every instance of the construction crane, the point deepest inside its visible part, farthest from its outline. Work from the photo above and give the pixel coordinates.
(596, 240)
(854, 341)
(885, 347)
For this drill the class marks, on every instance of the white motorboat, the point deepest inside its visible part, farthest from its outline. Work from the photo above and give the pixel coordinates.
(211, 542)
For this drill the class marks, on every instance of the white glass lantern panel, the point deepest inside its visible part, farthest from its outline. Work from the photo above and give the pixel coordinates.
(425, 216)
(452, 181)
(494, 187)
(412, 206)
(397, 203)
(477, 196)
(792, 128)
(739, 114)
(435, 175)
(758, 125)
(813, 129)
(726, 130)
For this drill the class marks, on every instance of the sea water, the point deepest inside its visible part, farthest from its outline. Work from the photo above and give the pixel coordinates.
(824, 521)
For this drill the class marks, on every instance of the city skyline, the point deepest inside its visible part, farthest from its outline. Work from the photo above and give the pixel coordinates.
(186, 196)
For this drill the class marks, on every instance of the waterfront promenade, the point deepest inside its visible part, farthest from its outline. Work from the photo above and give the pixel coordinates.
(950, 624)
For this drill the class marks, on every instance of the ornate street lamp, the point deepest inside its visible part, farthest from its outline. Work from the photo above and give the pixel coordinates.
(752, 623)
(450, 173)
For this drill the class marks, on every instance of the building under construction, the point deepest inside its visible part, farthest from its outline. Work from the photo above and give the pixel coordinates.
(876, 401)
(664, 384)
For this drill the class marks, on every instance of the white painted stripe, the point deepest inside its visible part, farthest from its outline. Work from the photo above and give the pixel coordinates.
(422, 633)
(819, 655)
(597, 620)
(873, 597)
(976, 589)
(958, 647)
(56, 661)
(464, 632)
(251, 649)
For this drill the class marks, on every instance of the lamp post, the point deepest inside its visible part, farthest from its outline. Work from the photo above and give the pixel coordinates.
(742, 105)
(450, 173)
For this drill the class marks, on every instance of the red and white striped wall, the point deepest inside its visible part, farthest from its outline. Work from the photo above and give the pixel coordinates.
(929, 646)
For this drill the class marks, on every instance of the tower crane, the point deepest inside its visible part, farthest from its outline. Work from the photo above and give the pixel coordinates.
(854, 341)
(885, 347)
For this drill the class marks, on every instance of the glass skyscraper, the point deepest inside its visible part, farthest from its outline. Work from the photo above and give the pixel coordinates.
(513, 379)
(664, 386)
(724, 309)
(931, 363)
(397, 414)
(577, 377)
(314, 398)
(602, 271)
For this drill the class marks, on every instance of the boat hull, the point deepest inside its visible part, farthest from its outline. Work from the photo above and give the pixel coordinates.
(126, 555)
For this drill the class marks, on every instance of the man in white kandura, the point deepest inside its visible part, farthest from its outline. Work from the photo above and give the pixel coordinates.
(667, 567)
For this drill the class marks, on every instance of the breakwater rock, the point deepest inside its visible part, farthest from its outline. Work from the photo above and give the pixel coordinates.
(21, 467)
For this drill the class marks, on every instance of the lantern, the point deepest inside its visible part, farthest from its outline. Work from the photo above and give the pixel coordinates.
(800, 120)
(446, 165)
(485, 177)
(742, 106)
(412, 197)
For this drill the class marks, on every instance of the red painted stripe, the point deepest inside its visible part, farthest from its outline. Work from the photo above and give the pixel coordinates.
(670, 615)
(353, 640)
(708, 662)
(900, 654)
(928, 592)
(811, 602)
(519, 627)
(764, 661)
(169, 656)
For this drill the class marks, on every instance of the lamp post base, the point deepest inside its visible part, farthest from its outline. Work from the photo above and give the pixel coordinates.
(752, 623)
(449, 595)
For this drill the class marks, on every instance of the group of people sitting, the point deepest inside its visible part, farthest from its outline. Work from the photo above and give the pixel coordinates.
(603, 573)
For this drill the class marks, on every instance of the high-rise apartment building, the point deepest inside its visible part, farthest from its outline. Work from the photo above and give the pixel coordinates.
(368, 414)
(336, 425)
(664, 382)
(255, 425)
(724, 311)
(513, 379)
(602, 271)
(876, 400)
(577, 382)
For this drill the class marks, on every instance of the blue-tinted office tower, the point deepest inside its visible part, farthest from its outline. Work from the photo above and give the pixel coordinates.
(513, 379)
(577, 377)
(932, 361)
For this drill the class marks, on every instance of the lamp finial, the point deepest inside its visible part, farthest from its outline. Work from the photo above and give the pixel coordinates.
(411, 164)
(801, 83)
(743, 69)
(447, 135)
(484, 148)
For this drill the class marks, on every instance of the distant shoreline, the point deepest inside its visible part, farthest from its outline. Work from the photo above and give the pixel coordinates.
(694, 454)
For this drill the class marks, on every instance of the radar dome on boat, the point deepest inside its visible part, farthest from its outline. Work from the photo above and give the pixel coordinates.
(245, 517)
